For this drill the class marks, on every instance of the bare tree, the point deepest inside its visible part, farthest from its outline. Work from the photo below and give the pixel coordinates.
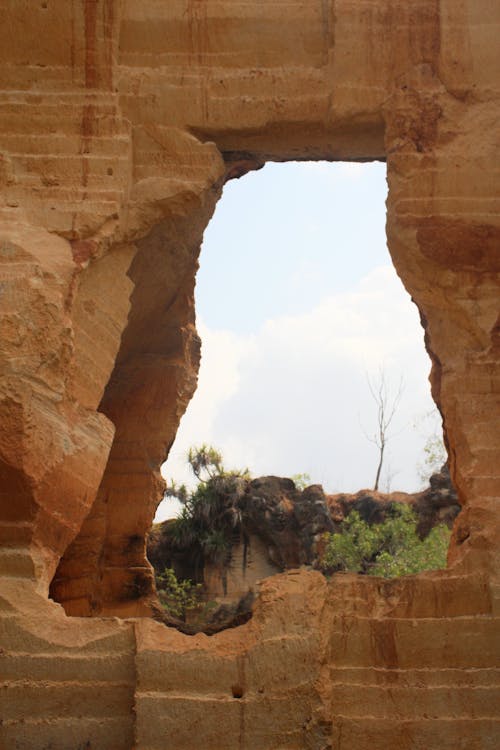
(387, 405)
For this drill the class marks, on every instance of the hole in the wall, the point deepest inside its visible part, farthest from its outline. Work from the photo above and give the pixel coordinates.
(299, 280)
(237, 691)
(124, 588)
(307, 257)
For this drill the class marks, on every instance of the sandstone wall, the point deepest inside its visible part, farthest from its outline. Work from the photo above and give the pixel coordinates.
(119, 123)
(249, 564)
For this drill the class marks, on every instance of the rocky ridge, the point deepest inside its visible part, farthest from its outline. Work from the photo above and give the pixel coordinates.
(282, 528)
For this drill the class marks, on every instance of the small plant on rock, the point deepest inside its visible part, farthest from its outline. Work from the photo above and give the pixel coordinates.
(302, 480)
(177, 597)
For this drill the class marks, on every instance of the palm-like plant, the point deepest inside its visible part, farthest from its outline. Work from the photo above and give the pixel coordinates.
(212, 513)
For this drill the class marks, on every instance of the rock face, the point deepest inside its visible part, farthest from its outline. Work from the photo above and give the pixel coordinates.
(282, 527)
(438, 503)
(278, 529)
(119, 123)
(287, 520)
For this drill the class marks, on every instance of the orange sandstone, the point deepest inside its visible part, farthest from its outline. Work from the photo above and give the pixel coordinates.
(119, 123)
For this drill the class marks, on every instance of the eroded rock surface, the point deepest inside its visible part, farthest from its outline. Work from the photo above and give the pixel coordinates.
(119, 123)
(282, 527)
(438, 503)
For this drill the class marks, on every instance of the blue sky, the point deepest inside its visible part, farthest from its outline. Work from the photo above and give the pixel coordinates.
(297, 305)
(288, 235)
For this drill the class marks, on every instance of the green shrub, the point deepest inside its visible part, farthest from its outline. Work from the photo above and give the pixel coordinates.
(177, 597)
(389, 549)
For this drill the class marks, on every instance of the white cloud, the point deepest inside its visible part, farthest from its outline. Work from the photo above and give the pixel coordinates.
(218, 380)
(352, 170)
(294, 397)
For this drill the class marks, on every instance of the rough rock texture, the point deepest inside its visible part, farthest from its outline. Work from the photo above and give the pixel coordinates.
(119, 123)
(438, 503)
(278, 529)
(288, 520)
(282, 527)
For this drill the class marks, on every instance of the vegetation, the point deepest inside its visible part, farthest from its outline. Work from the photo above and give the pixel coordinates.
(211, 514)
(434, 457)
(429, 425)
(389, 549)
(301, 481)
(177, 597)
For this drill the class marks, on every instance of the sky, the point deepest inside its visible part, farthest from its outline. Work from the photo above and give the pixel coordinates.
(299, 309)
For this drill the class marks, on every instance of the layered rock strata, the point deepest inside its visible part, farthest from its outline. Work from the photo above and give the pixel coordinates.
(119, 123)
